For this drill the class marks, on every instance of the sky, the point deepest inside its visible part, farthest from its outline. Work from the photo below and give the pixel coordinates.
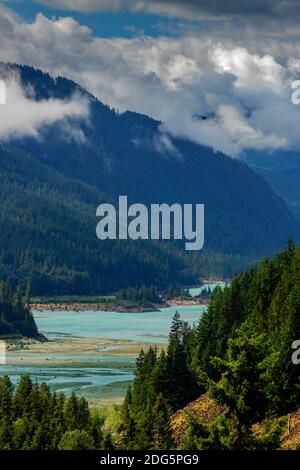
(218, 73)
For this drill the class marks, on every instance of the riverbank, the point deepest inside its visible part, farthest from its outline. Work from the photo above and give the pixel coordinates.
(111, 303)
(92, 307)
(188, 302)
(67, 351)
(91, 353)
(98, 369)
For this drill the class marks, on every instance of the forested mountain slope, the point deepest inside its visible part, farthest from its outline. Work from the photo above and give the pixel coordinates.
(282, 171)
(15, 317)
(242, 354)
(50, 188)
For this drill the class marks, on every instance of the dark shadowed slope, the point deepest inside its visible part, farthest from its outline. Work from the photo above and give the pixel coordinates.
(50, 189)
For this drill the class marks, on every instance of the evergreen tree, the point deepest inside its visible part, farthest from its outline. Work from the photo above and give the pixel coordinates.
(72, 412)
(96, 431)
(23, 402)
(33, 418)
(6, 396)
(76, 440)
(128, 422)
(144, 435)
(181, 383)
(241, 351)
(5, 433)
(21, 432)
(240, 391)
(162, 436)
(84, 419)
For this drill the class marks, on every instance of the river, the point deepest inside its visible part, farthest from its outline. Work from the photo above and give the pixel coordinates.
(73, 360)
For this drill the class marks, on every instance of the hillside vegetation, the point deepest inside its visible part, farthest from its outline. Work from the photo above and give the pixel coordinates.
(33, 418)
(50, 188)
(240, 355)
(15, 316)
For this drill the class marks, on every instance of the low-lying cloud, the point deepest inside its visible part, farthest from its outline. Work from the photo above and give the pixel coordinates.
(228, 93)
(23, 116)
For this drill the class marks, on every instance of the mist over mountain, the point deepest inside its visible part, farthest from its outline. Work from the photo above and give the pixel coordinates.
(53, 179)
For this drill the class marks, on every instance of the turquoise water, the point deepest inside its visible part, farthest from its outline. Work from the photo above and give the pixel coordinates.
(194, 291)
(149, 327)
(105, 376)
(89, 382)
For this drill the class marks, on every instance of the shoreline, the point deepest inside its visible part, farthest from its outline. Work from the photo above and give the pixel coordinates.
(80, 361)
(111, 305)
(78, 353)
(67, 351)
(188, 302)
(94, 307)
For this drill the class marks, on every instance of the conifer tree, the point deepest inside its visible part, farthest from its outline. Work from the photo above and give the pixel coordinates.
(84, 418)
(72, 412)
(128, 423)
(181, 386)
(23, 401)
(76, 440)
(240, 391)
(6, 397)
(162, 436)
(5, 433)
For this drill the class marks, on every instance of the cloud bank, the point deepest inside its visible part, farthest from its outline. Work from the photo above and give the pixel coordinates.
(227, 88)
(188, 9)
(21, 116)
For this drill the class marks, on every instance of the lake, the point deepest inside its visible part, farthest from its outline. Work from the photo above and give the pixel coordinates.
(150, 327)
(96, 373)
(194, 291)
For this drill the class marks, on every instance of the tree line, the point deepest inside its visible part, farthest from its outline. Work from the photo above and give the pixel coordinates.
(33, 418)
(239, 353)
(15, 315)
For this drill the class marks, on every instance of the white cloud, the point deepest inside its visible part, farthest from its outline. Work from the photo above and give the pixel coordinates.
(241, 85)
(251, 71)
(178, 9)
(245, 136)
(22, 116)
(187, 9)
(161, 143)
(88, 6)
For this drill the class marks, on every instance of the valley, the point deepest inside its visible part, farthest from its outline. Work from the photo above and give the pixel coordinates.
(92, 353)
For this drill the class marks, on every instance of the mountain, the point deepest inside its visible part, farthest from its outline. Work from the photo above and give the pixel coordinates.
(282, 171)
(286, 183)
(50, 188)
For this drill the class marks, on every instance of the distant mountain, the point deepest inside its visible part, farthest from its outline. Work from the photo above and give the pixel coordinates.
(50, 188)
(282, 171)
(286, 183)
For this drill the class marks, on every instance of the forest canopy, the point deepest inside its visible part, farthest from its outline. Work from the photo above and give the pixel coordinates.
(16, 318)
(240, 353)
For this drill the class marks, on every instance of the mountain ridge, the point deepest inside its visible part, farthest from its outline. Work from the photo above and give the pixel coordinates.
(61, 182)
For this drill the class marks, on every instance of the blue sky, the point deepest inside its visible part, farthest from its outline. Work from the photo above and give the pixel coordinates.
(106, 24)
